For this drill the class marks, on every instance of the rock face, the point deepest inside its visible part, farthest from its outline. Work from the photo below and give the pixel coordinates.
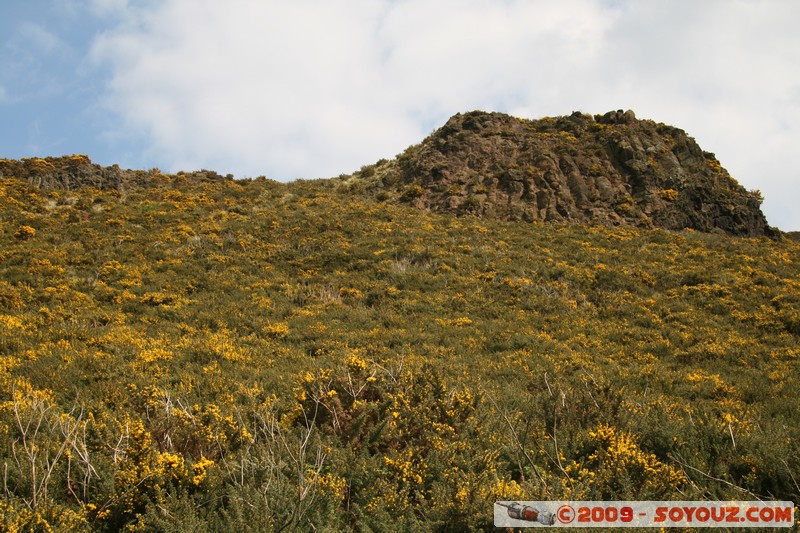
(78, 171)
(607, 169)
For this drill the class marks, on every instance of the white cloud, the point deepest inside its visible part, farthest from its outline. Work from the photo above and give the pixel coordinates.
(723, 72)
(313, 88)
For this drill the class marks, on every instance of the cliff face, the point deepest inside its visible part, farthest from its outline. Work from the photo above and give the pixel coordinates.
(607, 169)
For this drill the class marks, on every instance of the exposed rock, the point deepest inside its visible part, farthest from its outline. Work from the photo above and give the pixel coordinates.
(616, 117)
(608, 169)
(77, 171)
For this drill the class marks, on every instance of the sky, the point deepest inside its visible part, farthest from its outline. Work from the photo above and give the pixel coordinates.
(317, 88)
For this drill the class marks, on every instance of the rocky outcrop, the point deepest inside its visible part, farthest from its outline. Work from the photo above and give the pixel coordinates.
(608, 169)
(77, 171)
(605, 169)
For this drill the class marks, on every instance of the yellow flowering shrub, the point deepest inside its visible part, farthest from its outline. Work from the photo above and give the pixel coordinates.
(24, 233)
(668, 194)
(249, 354)
(276, 330)
(616, 467)
(200, 470)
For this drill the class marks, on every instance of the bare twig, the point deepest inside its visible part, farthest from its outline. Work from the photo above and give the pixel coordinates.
(518, 444)
(709, 476)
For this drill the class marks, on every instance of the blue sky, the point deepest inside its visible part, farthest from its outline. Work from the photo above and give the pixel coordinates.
(315, 88)
(41, 97)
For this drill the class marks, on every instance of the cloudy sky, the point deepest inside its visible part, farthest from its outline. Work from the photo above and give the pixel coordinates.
(315, 88)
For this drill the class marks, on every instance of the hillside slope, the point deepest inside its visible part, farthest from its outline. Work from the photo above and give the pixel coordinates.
(607, 169)
(195, 351)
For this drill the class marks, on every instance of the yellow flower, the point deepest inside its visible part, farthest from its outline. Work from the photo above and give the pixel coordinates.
(24, 233)
(200, 469)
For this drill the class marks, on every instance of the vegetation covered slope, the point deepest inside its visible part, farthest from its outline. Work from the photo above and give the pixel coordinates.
(608, 169)
(208, 354)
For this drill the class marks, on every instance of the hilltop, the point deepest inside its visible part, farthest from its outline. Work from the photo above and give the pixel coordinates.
(611, 169)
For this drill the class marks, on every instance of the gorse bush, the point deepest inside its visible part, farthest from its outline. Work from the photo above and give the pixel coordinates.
(208, 354)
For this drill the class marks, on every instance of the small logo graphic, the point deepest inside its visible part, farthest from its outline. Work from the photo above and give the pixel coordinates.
(527, 513)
